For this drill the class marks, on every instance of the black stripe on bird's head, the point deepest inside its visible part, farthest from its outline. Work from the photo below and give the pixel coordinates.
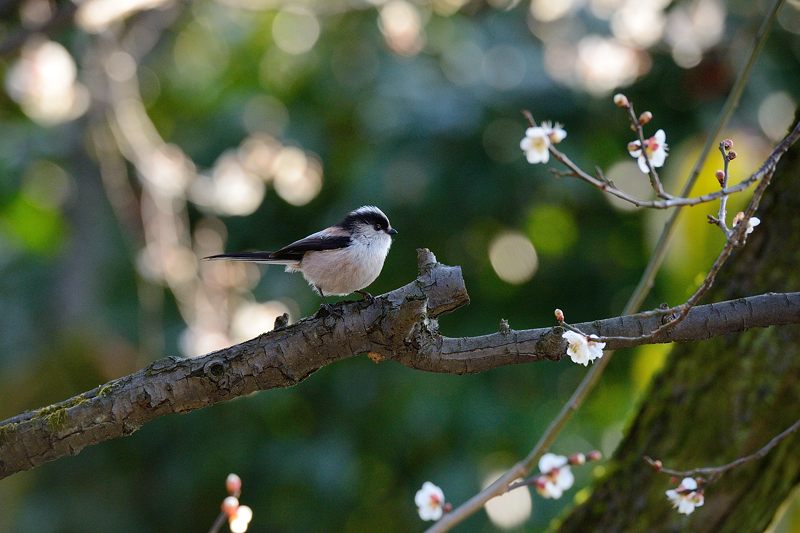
(368, 215)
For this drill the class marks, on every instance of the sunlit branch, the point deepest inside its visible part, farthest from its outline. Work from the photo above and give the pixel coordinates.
(400, 325)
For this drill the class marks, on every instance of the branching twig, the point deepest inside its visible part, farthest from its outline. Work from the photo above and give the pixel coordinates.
(711, 473)
(735, 238)
(638, 296)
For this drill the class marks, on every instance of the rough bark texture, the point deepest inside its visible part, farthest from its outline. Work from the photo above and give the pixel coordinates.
(718, 400)
(400, 325)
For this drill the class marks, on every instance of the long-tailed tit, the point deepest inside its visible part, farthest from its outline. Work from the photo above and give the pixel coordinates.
(338, 260)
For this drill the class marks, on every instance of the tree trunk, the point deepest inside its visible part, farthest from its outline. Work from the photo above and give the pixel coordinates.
(718, 400)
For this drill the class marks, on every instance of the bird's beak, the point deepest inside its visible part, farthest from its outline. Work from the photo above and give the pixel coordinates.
(391, 231)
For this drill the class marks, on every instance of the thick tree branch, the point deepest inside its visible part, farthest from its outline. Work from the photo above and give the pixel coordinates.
(400, 325)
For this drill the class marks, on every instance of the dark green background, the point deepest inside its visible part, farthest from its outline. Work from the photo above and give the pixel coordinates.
(347, 449)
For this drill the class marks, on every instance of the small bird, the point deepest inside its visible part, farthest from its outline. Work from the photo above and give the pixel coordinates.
(338, 260)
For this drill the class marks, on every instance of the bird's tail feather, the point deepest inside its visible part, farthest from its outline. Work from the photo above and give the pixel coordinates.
(253, 257)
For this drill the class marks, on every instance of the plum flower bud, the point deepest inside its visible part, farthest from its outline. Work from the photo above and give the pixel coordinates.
(577, 459)
(727, 144)
(559, 315)
(731, 155)
(645, 117)
(720, 175)
(555, 132)
(620, 100)
(229, 505)
(594, 455)
(233, 484)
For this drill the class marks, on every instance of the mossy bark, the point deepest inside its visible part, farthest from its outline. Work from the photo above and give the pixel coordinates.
(718, 400)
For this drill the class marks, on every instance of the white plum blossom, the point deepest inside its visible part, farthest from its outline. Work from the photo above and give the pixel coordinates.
(430, 501)
(582, 349)
(538, 139)
(685, 497)
(556, 476)
(535, 144)
(655, 149)
(555, 132)
(751, 224)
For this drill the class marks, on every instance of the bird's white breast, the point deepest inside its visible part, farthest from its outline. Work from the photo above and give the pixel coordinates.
(346, 270)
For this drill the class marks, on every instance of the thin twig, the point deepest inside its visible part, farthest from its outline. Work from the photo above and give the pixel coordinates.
(217, 523)
(722, 215)
(736, 238)
(636, 126)
(713, 472)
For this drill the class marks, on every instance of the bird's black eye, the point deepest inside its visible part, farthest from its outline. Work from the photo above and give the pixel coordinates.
(377, 227)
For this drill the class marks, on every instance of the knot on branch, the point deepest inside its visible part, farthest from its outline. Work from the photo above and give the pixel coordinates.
(214, 370)
(552, 345)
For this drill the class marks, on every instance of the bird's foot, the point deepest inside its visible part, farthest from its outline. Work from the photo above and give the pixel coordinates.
(367, 296)
(328, 310)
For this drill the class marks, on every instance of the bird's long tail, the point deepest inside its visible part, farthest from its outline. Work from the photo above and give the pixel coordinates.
(253, 257)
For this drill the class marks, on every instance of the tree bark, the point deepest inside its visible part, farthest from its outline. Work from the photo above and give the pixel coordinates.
(717, 401)
(400, 325)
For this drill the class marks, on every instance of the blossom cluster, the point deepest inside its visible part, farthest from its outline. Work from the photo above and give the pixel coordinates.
(239, 516)
(556, 475)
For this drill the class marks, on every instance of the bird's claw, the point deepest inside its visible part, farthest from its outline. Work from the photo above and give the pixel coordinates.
(367, 296)
(328, 310)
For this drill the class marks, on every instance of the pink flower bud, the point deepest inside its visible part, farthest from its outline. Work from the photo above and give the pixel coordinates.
(727, 144)
(731, 155)
(230, 505)
(577, 459)
(658, 465)
(720, 175)
(559, 315)
(447, 507)
(645, 117)
(620, 100)
(594, 455)
(233, 484)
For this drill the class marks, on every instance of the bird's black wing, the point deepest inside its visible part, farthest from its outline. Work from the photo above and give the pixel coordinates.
(333, 238)
(323, 240)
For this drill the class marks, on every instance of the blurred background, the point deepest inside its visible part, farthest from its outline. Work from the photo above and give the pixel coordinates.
(140, 135)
